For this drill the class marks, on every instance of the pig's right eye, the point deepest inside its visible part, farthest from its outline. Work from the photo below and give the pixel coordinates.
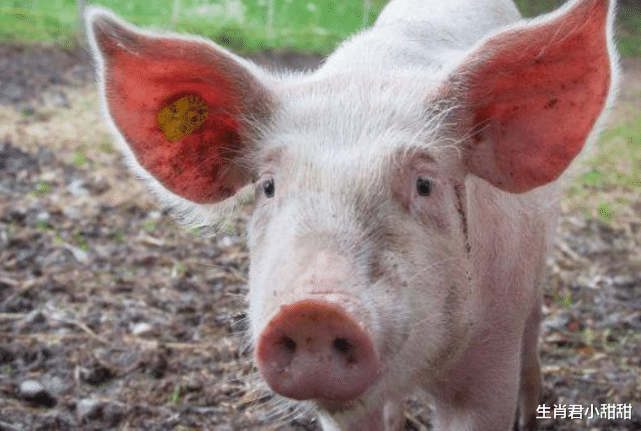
(269, 188)
(423, 186)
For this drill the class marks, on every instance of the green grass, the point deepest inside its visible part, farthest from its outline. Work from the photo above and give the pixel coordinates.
(47, 21)
(618, 154)
(629, 31)
(243, 25)
(610, 184)
(316, 25)
(537, 7)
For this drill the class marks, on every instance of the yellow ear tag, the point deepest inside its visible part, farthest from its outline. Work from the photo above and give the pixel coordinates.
(182, 117)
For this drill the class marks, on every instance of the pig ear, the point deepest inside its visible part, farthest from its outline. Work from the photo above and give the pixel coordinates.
(534, 92)
(182, 105)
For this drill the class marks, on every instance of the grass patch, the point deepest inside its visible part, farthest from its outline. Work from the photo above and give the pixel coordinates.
(610, 186)
(629, 30)
(537, 7)
(80, 156)
(243, 25)
(48, 21)
(248, 25)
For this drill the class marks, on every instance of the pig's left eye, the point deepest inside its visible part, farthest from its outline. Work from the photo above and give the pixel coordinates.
(269, 188)
(423, 186)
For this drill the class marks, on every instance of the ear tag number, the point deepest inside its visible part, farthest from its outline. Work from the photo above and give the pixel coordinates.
(182, 117)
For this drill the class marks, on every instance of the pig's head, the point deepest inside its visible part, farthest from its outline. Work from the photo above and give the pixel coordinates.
(363, 274)
(358, 250)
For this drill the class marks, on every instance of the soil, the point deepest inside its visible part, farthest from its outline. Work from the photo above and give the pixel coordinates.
(113, 317)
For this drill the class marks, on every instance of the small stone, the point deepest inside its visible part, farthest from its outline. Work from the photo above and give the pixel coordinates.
(227, 241)
(43, 216)
(78, 187)
(79, 254)
(556, 322)
(34, 393)
(88, 408)
(30, 388)
(141, 328)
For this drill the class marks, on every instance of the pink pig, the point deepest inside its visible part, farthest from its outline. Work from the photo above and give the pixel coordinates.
(405, 193)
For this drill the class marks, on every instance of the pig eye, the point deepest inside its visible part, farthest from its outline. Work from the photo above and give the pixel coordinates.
(423, 186)
(269, 188)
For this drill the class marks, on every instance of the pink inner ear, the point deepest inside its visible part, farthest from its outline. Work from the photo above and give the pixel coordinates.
(536, 96)
(151, 75)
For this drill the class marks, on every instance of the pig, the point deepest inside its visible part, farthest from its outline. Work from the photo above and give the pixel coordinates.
(404, 193)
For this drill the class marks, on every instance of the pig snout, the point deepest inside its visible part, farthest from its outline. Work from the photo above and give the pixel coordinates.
(315, 350)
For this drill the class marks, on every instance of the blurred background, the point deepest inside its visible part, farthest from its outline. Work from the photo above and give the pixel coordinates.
(247, 25)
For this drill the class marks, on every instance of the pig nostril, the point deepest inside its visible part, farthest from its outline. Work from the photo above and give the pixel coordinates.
(342, 345)
(345, 349)
(288, 344)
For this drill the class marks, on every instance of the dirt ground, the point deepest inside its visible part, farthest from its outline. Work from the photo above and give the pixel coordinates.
(113, 317)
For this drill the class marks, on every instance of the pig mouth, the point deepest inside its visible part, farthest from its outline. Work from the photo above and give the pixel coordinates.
(334, 406)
